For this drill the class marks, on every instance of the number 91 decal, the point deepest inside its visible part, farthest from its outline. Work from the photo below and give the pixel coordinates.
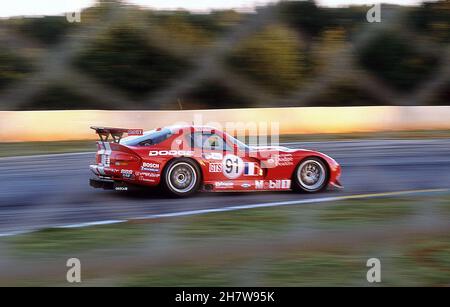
(232, 166)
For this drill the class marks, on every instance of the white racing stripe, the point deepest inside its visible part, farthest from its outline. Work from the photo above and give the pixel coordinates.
(233, 208)
(101, 170)
(107, 148)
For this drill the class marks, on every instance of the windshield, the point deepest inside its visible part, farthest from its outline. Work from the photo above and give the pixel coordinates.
(149, 138)
(242, 146)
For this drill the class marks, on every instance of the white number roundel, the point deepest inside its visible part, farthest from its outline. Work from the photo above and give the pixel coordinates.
(232, 166)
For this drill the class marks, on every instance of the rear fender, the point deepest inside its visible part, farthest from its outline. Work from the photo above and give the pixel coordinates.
(122, 156)
(112, 158)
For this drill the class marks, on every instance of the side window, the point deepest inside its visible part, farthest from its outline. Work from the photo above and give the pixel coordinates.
(155, 138)
(209, 141)
(146, 143)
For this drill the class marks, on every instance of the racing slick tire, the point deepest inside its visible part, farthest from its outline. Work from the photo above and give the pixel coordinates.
(181, 177)
(311, 175)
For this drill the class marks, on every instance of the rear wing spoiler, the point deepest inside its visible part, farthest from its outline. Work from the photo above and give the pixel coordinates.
(116, 134)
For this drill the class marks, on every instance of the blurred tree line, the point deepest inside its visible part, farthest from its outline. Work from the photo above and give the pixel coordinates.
(300, 54)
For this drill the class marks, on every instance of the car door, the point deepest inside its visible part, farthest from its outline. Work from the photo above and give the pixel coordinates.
(225, 165)
(212, 148)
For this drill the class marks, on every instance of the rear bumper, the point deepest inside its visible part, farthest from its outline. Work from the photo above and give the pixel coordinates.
(102, 183)
(98, 170)
(100, 180)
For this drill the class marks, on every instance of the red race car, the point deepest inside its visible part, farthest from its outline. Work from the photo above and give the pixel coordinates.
(183, 160)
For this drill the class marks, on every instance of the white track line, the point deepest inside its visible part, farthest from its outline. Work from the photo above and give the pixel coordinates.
(15, 233)
(231, 208)
(286, 203)
(89, 224)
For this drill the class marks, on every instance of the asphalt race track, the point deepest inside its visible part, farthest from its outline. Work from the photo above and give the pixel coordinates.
(48, 191)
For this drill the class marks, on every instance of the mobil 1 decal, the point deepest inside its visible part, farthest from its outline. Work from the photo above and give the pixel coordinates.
(232, 166)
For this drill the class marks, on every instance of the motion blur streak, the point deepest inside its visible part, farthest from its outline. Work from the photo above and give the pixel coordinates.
(234, 208)
(286, 54)
(74, 125)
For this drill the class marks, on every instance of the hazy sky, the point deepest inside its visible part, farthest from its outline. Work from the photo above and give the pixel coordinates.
(53, 7)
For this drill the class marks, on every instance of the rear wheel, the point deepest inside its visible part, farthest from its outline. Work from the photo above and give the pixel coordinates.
(181, 177)
(311, 175)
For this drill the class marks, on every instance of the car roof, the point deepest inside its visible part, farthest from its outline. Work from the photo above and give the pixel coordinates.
(175, 128)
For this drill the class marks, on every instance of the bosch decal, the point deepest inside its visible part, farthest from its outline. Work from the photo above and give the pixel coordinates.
(150, 167)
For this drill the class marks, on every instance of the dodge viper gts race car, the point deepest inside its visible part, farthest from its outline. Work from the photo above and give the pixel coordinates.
(185, 159)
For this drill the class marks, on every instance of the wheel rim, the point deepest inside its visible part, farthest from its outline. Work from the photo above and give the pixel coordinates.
(182, 177)
(311, 175)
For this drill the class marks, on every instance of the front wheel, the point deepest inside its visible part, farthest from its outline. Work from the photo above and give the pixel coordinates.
(311, 175)
(181, 177)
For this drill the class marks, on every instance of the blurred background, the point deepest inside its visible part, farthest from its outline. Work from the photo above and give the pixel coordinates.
(281, 54)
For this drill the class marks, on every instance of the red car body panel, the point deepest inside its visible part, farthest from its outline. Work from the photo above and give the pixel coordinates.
(260, 168)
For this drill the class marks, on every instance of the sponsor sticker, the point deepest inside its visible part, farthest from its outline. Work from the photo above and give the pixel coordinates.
(213, 156)
(215, 167)
(152, 175)
(154, 153)
(134, 132)
(232, 166)
(273, 184)
(150, 167)
(249, 169)
(126, 173)
(223, 184)
(284, 160)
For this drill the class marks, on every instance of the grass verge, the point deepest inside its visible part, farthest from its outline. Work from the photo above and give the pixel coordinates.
(43, 148)
(311, 245)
